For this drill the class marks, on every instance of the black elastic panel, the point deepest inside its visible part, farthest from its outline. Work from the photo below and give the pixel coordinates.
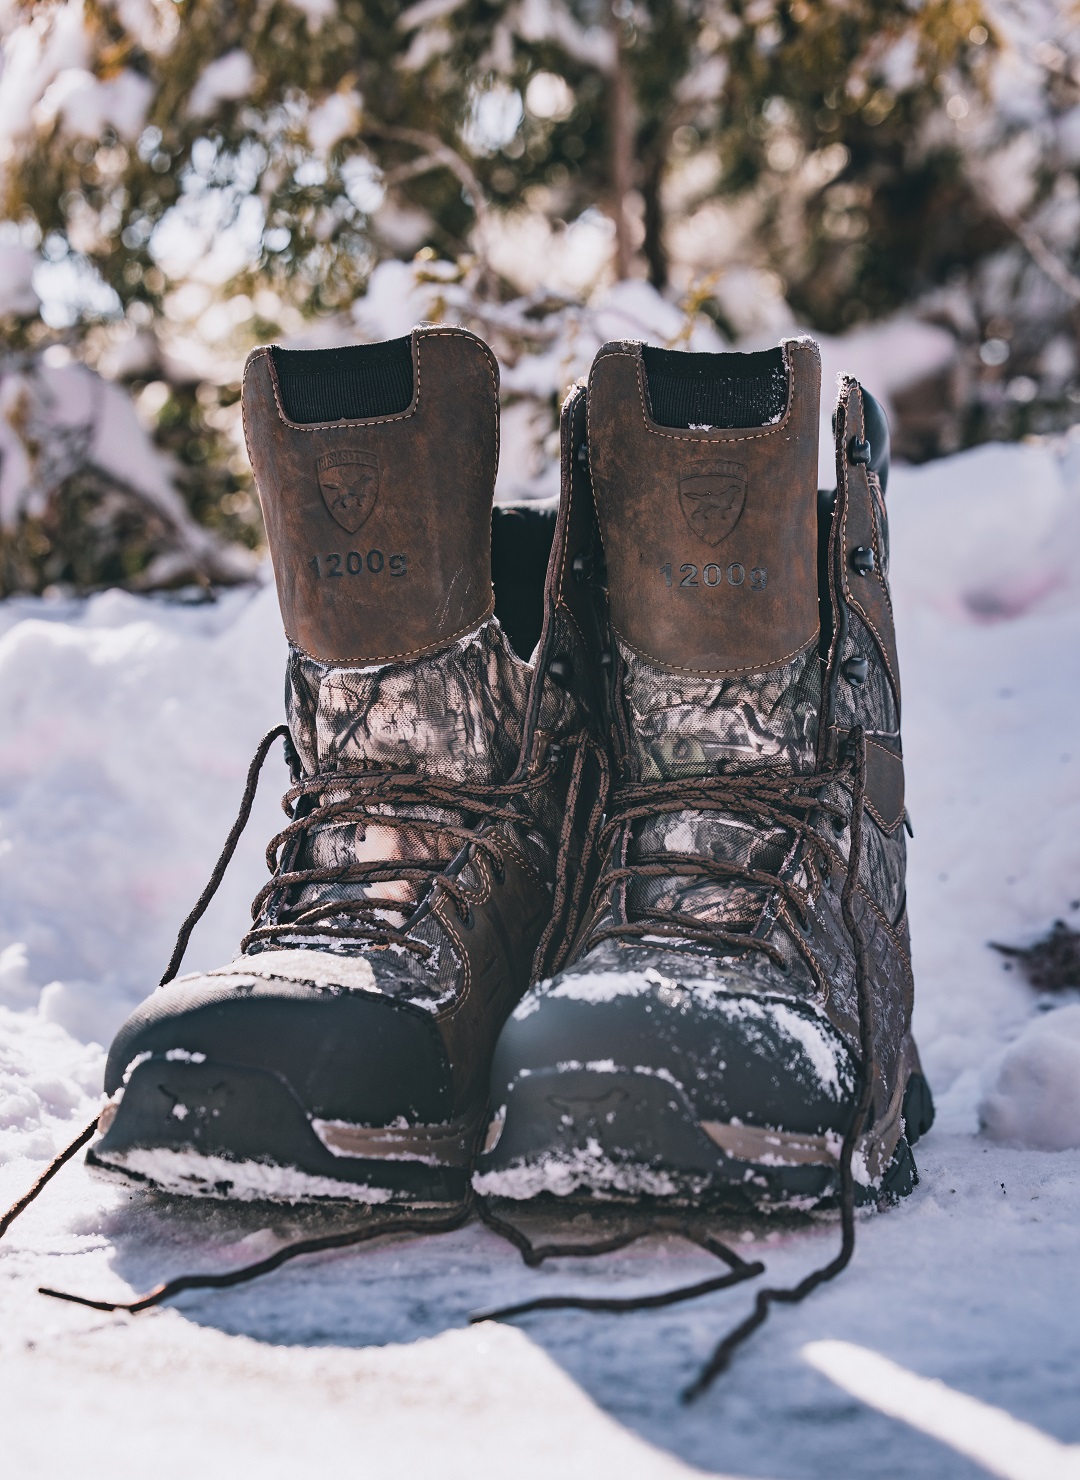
(347, 384)
(690, 390)
(521, 540)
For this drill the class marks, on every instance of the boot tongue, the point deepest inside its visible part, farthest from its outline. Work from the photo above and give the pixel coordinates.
(454, 716)
(376, 466)
(705, 476)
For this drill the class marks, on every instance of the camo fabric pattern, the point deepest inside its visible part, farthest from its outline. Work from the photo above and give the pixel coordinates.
(684, 725)
(458, 716)
(691, 725)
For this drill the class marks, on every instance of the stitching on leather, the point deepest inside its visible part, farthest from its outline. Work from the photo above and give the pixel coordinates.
(480, 864)
(264, 354)
(717, 672)
(803, 945)
(887, 827)
(332, 426)
(878, 910)
(420, 652)
(457, 949)
(885, 750)
(561, 606)
(875, 535)
(877, 576)
(868, 619)
(704, 440)
(641, 653)
(519, 858)
(260, 354)
(588, 443)
(889, 931)
(588, 440)
(512, 851)
(539, 677)
(569, 504)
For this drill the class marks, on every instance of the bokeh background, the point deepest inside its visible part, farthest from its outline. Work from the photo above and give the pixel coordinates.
(183, 179)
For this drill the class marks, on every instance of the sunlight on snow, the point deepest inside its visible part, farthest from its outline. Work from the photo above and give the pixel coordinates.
(1003, 1445)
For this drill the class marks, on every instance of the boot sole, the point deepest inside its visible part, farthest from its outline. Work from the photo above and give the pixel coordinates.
(207, 1129)
(622, 1134)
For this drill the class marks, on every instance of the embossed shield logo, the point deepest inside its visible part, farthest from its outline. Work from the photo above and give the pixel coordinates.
(713, 500)
(349, 481)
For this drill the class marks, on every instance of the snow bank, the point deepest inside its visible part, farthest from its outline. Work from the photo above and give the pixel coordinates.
(128, 726)
(1034, 1098)
(1001, 532)
(987, 602)
(48, 1081)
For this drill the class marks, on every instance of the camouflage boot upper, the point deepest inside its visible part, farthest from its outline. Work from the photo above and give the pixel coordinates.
(708, 1034)
(423, 866)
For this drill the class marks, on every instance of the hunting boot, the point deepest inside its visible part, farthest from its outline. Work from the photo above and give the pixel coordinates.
(436, 782)
(739, 997)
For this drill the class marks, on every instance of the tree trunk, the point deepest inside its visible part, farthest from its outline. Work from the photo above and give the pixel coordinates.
(622, 147)
(651, 186)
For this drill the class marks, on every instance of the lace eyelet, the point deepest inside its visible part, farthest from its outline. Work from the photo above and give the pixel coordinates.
(468, 919)
(498, 872)
(839, 826)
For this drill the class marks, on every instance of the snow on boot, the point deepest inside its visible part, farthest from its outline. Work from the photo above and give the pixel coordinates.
(707, 1038)
(437, 777)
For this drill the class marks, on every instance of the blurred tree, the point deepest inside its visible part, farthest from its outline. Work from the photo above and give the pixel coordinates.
(177, 162)
(761, 89)
(334, 133)
(269, 115)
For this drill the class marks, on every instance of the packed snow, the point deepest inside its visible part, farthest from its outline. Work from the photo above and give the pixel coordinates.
(949, 1348)
(1034, 1097)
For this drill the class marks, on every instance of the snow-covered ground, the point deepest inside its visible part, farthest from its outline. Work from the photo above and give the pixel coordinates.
(126, 725)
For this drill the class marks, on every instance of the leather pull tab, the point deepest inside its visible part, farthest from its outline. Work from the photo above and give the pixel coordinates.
(710, 534)
(884, 796)
(380, 527)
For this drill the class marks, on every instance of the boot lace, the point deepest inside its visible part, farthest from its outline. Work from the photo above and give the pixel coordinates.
(384, 799)
(795, 807)
(365, 798)
(787, 803)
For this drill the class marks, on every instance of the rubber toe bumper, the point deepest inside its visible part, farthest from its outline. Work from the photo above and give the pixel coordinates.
(664, 1091)
(349, 1093)
(228, 1130)
(346, 1055)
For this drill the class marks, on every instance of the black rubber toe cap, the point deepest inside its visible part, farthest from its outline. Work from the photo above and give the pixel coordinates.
(758, 1060)
(346, 1055)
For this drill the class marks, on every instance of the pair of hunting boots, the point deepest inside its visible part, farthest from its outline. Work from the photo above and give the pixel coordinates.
(592, 876)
